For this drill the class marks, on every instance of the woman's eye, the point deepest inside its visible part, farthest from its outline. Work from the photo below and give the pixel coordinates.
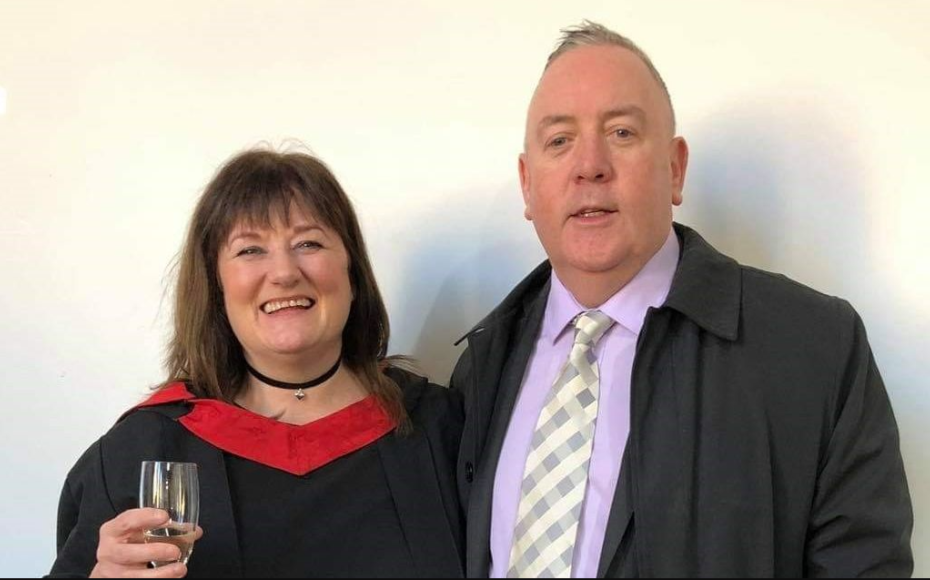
(249, 252)
(309, 245)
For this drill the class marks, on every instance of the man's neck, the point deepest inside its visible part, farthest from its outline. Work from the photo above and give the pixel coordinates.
(593, 289)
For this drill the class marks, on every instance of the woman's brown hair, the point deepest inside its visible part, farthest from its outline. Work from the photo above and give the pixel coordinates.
(254, 188)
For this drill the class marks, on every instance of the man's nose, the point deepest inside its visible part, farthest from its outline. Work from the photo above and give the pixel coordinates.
(593, 163)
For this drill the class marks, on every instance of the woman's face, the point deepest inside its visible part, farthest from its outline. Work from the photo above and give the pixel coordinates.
(286, 290)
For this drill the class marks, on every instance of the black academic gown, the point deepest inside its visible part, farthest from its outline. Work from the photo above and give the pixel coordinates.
(419, 469)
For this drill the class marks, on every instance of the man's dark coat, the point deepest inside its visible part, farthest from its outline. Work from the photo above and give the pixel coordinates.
(762, 440)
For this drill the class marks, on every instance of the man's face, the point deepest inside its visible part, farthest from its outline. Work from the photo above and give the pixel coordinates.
(601, 169)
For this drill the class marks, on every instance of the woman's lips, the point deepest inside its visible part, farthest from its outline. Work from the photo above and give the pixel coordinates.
(301, 303)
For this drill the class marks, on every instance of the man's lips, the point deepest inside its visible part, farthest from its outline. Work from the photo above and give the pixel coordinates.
(592, 213)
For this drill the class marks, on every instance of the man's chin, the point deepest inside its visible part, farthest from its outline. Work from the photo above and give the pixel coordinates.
(598, 264)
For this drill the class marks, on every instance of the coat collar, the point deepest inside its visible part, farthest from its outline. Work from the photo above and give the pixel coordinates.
(707, 288)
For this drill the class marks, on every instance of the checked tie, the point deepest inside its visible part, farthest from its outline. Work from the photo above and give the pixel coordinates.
(556, 472)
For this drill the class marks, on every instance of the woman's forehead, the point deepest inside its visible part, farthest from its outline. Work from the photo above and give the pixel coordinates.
(274, 217)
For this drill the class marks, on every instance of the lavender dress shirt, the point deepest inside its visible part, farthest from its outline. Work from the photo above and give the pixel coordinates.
(614, 352)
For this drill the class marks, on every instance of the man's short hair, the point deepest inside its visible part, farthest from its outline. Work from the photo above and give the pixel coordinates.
(593, 34)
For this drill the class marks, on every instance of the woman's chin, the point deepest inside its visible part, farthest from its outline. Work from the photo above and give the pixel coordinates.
(291, 347)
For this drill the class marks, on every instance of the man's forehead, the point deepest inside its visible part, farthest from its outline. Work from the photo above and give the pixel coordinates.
(584, 69)
(634, 111)
(595, 80)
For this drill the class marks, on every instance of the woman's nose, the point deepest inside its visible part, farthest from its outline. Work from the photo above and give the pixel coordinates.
(284, 269)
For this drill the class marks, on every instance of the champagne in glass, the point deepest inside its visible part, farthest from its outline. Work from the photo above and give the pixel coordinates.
(173, 487)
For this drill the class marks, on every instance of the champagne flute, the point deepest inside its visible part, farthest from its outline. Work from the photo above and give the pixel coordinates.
(173, 487)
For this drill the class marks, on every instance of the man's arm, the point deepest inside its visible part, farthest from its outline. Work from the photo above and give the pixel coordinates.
(861, 517)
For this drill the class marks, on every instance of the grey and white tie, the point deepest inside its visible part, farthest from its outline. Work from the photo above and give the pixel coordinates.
(556, 472)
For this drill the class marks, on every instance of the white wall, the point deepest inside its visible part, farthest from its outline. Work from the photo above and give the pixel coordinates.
(807, 123)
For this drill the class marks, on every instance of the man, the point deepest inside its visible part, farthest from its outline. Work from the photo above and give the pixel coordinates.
(642, 405)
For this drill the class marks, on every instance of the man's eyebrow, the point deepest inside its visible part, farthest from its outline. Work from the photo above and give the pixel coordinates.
(550, 120)
(630, 111)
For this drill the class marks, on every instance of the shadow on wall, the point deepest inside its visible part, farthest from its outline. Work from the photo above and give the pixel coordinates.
(784, 189)
(463, 265)
(781, 188)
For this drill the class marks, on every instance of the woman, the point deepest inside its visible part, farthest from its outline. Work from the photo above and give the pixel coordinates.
(316, 456)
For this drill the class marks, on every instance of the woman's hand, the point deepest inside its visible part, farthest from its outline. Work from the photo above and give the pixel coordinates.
(121, 552)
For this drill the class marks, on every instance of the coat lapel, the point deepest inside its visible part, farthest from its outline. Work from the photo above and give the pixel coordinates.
(621, 514)
(491, 348)
(652, 389)
(660, 456)
(508, 381)
(409, 469)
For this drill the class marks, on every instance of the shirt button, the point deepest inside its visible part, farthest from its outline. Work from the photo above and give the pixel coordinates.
(469, 472)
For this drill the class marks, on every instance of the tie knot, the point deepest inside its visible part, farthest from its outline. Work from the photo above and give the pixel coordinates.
(590, 326)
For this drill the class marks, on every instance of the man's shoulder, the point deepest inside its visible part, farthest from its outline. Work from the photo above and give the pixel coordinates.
(714, 286)
(774, 291)
(780, 310)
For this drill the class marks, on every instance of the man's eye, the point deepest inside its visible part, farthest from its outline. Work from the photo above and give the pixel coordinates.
(623, 133)
(558, 142)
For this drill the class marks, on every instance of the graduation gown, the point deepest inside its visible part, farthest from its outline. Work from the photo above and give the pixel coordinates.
(421, 527)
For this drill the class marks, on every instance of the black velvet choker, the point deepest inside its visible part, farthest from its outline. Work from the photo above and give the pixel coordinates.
(299, 387)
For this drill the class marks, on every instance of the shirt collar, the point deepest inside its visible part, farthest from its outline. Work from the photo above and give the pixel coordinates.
(628, 307)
